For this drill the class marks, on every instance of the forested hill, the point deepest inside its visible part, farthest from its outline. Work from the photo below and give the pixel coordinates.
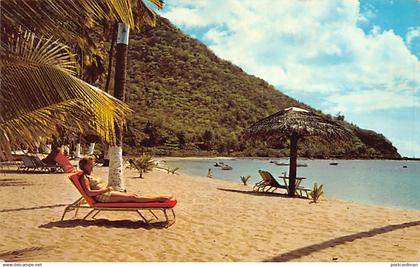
(187, 101)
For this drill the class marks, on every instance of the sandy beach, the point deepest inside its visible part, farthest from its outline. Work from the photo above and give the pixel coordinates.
(216, 221)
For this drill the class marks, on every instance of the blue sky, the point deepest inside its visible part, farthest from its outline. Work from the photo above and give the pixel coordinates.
(360, 58)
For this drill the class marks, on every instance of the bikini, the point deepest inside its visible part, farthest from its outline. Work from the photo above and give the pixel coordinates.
(103, 197)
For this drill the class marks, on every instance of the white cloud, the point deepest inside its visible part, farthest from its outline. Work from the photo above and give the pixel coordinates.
(412, 33)
(215, 35)
(312, 48)
(364, 101)
(303, 45)
(368, 14)
(186, 17)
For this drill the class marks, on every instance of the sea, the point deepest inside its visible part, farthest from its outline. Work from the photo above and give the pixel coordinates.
(389, 183)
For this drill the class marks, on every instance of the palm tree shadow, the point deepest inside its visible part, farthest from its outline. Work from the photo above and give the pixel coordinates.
(254, 193)
(14, 182)
(135, 177)
(305, 251)
(25, 254)
(35, 208)
(127, 224)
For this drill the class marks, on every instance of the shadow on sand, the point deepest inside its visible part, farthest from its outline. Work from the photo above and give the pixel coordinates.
(261, 194)
(35, 208)
(28, 172)
(128, 224)
(14, 182)
(25, 254)
(305, 251)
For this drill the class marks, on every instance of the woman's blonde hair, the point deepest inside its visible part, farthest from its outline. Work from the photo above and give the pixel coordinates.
(84, 161)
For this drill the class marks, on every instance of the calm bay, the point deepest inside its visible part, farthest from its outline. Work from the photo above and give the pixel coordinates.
(389, 183)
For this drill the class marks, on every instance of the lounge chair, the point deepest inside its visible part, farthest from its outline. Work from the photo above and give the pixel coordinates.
(303, 192)
(88, 202)
(268, 183)
(34, 163)
(64, 163)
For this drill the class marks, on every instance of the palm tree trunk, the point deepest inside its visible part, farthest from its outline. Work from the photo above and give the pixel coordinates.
(77, 153)
(115, 152)
(108, 80)
(110, 57)
(78, 149)
(293, 164)
(91, 149)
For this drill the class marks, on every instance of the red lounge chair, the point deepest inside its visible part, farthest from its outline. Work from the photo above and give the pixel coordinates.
(88, 202)
(64, 163)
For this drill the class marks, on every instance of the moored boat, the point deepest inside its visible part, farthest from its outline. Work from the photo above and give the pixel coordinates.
(281, 163)
(226, 167)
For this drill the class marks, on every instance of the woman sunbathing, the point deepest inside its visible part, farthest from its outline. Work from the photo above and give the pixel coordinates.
(101, 193)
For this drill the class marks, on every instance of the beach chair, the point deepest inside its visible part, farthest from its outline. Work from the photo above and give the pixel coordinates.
(64, 163)
(34, 163)
(268, 183)
(87, 202)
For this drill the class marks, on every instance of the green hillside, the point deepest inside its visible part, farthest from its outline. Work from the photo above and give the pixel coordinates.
(187, 101)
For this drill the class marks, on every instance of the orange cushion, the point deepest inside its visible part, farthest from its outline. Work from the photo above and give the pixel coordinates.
(75, 178)
(167, 204)
(64, 162)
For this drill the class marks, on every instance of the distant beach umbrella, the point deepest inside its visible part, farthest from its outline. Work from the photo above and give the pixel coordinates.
(295, 123)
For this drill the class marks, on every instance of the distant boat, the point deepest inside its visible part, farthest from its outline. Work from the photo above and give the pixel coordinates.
(405, 166)
(226, 167)
(220, 164)
(334, 163)
(287, 164)
(281, 163)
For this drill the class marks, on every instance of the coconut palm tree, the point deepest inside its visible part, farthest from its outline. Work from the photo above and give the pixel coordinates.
(40, 91)
(115, 151)
(73, 23)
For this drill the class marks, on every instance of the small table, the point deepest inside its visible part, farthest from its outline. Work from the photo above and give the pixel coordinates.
(298, 181)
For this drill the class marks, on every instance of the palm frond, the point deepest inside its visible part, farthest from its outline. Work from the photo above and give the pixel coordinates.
(39, 92)
(64, 19)
(144, 13)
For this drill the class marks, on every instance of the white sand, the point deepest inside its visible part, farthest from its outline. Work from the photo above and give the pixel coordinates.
(216, 221)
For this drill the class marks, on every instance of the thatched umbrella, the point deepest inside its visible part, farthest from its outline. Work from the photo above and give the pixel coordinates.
(294, 123)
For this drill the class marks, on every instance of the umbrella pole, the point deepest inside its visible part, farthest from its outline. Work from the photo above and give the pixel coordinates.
(293, 163)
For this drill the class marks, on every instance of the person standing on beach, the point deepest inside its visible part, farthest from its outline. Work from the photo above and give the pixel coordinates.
(94, 188)
(209, 173)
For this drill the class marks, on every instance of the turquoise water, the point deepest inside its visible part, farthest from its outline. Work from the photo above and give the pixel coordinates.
(379, 182)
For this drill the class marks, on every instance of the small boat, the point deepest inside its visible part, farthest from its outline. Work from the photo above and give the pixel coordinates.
(281, 163)
(334, 163)
(226, 167)
(301, 165)
(405, 166)
(218, 164)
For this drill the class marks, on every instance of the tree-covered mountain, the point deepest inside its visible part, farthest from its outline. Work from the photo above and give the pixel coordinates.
(187, 101)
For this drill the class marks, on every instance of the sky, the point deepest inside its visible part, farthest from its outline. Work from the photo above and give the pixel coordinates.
(359, 58)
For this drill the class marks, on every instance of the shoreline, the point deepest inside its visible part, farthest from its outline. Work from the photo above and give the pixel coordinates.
(269, 158)
(166, 160)
(216, 221)
(323, 198)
